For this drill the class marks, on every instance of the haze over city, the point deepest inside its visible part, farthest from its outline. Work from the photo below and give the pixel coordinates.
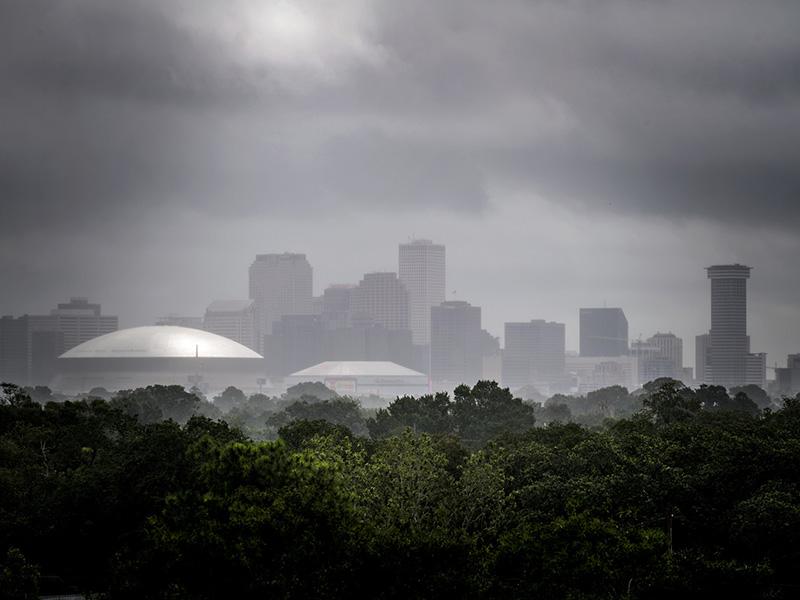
(584, 157)
(399, 299)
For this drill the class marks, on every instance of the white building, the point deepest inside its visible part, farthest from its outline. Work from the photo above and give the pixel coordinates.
(364, 378)
(422, 271)
(159, 354)
(233, 319)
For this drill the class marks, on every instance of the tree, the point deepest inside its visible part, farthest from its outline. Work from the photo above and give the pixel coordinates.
(311, 389)
(297, 434)
(755, 393)
(258, 521)
(671, 402)
(552, 412)
(487, 411)
(156, 402)
(230, 398)
(19, 580)
(425, 414)
(339, 411)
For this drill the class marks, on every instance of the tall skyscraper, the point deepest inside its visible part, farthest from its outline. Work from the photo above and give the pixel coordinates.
(603, 332)
(534, 354)
(456, 343)
(280, 284)
(233, 319)
(381, 299)
(422, 271)
(728, 336)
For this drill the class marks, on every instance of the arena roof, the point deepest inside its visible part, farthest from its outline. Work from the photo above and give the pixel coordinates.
(356, 368)
(160, 341)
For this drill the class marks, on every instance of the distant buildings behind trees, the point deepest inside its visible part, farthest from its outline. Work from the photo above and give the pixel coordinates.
(404, 318)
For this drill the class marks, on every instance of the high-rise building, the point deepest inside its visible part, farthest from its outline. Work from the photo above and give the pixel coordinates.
(79, 321)
(298, 341)
(40, 339)
(336, 301)
(422, 271)
(534, 354)
(233, 319)
(14, 346)
(702, 358)
(380, 299)
(295, 343)
(280, 284)
(603, 332)
(787, 379)
(659, 356)
(456, 343)
(756, 369)
(671, 348)
(728, 336)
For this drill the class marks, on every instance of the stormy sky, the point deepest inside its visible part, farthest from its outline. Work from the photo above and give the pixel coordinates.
(568, 152)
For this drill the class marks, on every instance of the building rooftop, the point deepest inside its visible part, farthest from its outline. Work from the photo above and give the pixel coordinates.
(160, 341)
(229, 305)
(355, 368)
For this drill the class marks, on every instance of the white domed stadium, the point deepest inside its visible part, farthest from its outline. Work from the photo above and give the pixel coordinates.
(161, 354)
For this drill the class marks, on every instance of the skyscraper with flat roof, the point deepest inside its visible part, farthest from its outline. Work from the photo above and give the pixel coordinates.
(280, 284)
(603, 332)
(233, 319)
(729, 345)
(456, 343)
(422, 271)
(380, 299)
(533, 354)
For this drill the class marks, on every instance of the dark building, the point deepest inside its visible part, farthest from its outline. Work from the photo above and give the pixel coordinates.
(14, 350)
(336, 304)
(787, 379)
(728, 341)
(603, 332)
(534, 354)
(30, 344)
(300, 341)
(294, 344)
(456, 343)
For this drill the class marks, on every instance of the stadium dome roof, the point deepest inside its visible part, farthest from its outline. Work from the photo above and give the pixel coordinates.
(355, 368)
(160, 341)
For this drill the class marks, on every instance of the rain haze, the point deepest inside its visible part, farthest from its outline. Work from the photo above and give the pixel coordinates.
(567, 154)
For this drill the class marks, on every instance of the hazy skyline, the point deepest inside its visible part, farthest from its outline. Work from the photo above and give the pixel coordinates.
(568, 154)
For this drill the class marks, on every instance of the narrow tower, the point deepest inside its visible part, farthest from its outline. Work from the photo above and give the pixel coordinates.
(729, 344)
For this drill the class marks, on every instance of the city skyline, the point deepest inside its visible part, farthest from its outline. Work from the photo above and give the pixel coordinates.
(688, 354)
(591, 154)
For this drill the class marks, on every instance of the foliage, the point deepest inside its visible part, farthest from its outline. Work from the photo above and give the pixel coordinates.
(307, 390)
(339, 411)
(694, 496)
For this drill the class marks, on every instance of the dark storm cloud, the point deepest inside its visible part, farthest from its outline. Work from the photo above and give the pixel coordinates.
(670, 108)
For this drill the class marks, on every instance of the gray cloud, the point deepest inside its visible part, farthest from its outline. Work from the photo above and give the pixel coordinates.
(114, 115)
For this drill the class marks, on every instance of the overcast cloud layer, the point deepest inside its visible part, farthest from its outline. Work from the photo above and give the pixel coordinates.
(569, 153)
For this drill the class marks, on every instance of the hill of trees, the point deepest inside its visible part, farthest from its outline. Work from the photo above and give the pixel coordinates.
(149, 493)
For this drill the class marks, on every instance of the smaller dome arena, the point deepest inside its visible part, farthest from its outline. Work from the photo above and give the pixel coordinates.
(161, 354)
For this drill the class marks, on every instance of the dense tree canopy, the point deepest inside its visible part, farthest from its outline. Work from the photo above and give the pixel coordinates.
(696, 495)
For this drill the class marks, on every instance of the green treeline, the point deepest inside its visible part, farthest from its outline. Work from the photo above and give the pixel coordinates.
(149, 494)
